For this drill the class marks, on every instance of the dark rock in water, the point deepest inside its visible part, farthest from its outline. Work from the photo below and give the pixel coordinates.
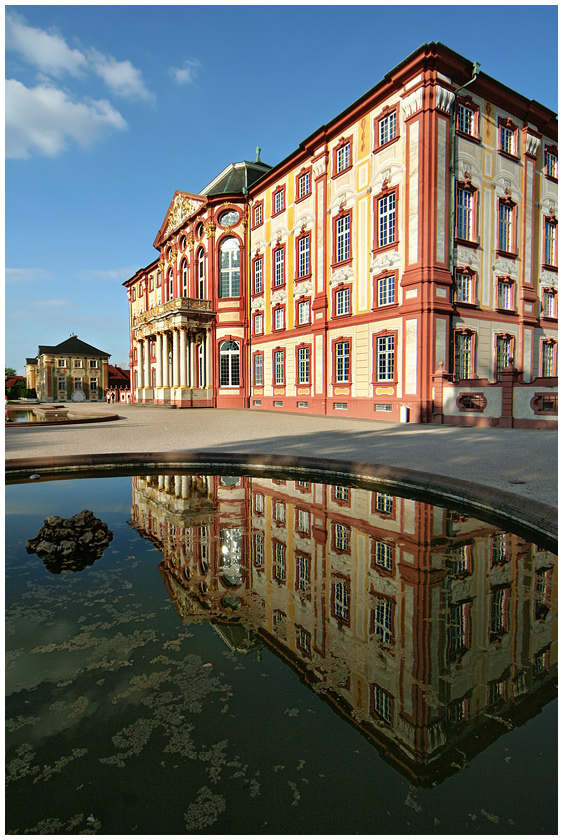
(70, 545)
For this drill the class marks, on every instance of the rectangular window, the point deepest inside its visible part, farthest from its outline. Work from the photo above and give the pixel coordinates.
(93, 363)
(279, 318)
(550, 164)
(343, 158)
(303, 640)
(386, 290)
(342, 361)
(465, 119)
(505, 227)
(258, 369)
(384, 503)
(258, 324)
(303, 365)
(507, 140)
(342, 298)
(383, 556)
(504, 295)
(550, 229)
(382, 703)
(341, 537)
(77, 363)
(383, 620)
(386, 216)
(279, 512)
(61, 383)
(464, 213)
(303, 573)
(303, 312)
(258, 275)
(304, 185)
(258, 550)
(343, 238)
(303, 521)
(77, 383)
(259, 503)
(279, 561)
(385, 361)
(548, 359)
(304, 256)
(61, 363)
(548, 308)
(93, 384)
(387, 128)
(463, 356)
(279, 201)
(504, 353)
(279, 367)
(341, 600)
(279, 267)
(463, 287)
(341, 493)
(257, 215)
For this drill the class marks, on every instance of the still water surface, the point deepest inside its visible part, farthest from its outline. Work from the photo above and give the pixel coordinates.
(245, 655)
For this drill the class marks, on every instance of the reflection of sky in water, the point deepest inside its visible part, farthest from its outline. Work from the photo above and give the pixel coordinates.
(119, 686)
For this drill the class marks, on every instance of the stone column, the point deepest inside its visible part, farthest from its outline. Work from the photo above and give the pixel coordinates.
(183, 359)
(159, 360)
(207, 357)
(175, 359)
(147, 360)
(165, 367)
(140, 365)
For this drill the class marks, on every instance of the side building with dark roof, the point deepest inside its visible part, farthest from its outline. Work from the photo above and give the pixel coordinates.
(71, 370)
(400, 264)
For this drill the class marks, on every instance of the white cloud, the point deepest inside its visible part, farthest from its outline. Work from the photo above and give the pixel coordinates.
(111, 274)
(50, 303)
(46, 50)
(43, 120)
(22, 276)
(120, 76)
(186, 74)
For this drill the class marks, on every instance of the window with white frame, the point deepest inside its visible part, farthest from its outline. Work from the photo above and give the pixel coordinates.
(303, 365)
(170, 284)
(384, 503)
(279, 367)
(61, 383)
(504, 294)
(61, 363)
(383, 620)
(382, 703)
(505, 227)
(201, 273)
(258, 215)
(93, 384)
(499, 600)
(93, 363)
(258, 550)
(341, 493)
(279, 201)
(548, 359)
(303, 573)
(457, 629)
(386, 219)
(341, 600)
(258, 323)
(342, 299)
(258, 369)
(385, 357)
(463, 356)
(550, 234)
(507, 139)
(304, 256)
(341, 537)
(304, 185)
(343, 158)
(551, 163)
(279, 318)
(230, 268)
(303, 640)
(303, 312)
(229, 363)
(387, 128)
(464, 213)
(504, 353)
(342, 361)
(386, 290)
(259, 503)
(548, 304)
(303, 521)
(343, 238)
(77, 363)
(279, 512)
(279, 561)
(463, 287)
(279, 267)
(258, 275)
(383, 555)
(77, 383)
(184, 278)
(465, 118)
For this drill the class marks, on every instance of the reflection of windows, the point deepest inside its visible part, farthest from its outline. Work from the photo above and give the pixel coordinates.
(279, 512)
(231, 555)
(279, 561)
(341, 494)
(341, 597)
(303, 573)
(258, 550)
(303, 640)
(303, 521)
(203, 543)
(458, 560)
(458, 630)
(499, 549)
(383, 503)
(458, 712)
(341, 537)
(383, 620)
(382, 703)
(498, 612)
(259, 503)
(496, 692)
(383, 555)
(541, 594)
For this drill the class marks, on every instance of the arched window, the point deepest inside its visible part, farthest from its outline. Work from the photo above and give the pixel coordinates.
(170, 284)
(229, 360)
(184, 278)
(229, 268)
(201, 274)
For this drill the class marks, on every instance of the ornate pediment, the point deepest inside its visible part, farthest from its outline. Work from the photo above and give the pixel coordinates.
(387, 261)
(182, 207)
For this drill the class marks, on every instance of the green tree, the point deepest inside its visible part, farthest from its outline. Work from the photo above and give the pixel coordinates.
(10, 371)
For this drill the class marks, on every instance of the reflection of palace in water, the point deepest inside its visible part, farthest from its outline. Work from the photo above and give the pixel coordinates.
(432, 632)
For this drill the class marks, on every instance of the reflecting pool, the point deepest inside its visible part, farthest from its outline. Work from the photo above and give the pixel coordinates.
(237, 655)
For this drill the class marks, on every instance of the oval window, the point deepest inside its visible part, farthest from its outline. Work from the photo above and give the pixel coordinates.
(229, 217)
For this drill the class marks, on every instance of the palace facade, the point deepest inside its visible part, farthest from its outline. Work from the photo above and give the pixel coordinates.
(71, 370)
(400, 264)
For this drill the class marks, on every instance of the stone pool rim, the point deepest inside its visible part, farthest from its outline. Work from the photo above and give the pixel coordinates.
(532, 516)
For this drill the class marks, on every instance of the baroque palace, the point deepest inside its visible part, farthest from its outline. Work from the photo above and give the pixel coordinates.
(401, 264)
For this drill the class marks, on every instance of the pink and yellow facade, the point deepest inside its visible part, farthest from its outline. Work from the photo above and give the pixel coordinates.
(400, 264)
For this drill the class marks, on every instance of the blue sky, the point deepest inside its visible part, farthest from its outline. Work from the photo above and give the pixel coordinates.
(110, 109)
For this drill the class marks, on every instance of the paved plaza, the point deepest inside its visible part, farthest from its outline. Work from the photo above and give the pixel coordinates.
(518, 463)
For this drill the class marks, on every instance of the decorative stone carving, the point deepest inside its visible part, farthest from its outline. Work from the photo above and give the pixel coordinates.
(304, 288)
(257, 303)
(444, 99)
(182, 207)
(342, 275)
(548, 278)
(279, 297)
(505, 268)
(532, 144)
(319, 167)
(210, 228)
(389, 260)
(412, 103)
